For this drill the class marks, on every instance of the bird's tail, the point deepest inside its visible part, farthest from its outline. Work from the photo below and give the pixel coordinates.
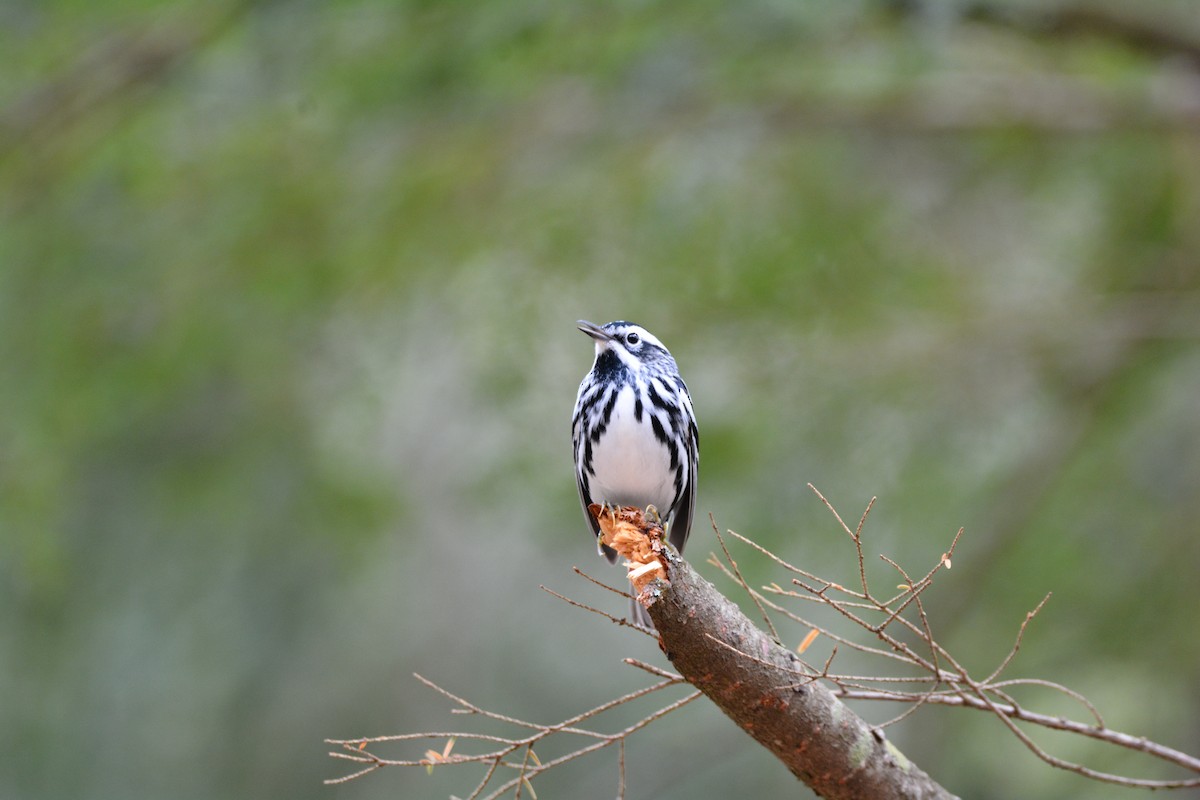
(638, 614)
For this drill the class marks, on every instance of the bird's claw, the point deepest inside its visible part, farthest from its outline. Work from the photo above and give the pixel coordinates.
(605, 508)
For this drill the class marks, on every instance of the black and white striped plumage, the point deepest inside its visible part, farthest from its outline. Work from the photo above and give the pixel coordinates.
(634, 431)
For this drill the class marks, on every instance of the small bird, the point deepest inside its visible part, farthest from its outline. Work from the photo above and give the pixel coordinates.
(634, 433)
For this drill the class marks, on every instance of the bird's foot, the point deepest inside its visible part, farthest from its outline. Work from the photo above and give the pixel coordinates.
(605, 508)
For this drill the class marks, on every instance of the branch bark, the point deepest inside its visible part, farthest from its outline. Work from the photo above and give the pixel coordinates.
(763, 688)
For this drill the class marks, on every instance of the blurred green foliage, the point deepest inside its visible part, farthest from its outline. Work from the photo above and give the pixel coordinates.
(287, 362)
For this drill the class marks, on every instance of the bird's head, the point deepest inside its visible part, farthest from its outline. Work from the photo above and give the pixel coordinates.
(630, 345)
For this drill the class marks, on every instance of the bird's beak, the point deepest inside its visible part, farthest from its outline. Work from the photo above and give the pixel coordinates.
(593, 330)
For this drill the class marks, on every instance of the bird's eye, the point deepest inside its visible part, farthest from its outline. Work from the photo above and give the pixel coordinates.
(632, 338)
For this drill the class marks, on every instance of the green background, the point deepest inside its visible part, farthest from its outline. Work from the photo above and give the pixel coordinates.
(288, 357)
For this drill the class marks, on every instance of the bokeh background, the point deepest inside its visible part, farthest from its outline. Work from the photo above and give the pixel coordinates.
(287, 361)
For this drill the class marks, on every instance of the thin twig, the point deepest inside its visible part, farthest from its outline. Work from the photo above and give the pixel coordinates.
(600, 583)
(653, 670)
(862, 571)
(621, 770)
(742, 581)
(1074, 695)
(809, 678)
(1017, 644)
(610, 617)
(1107, 735)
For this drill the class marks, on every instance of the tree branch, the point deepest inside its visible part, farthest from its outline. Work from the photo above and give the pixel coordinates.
(786, 704)
(749, 675)
(825, 744)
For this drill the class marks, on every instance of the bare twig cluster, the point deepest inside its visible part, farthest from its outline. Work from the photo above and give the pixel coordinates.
(940, 678)
(510, 762)
(792, 707)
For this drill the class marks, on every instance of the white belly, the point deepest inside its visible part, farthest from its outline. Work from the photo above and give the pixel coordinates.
(632, 468)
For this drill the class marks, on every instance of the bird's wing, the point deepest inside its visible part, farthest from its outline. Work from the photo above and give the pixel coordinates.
(681, 520)
(584, 499)
(681, 517)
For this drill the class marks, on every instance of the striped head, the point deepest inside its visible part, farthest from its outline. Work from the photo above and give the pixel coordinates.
(625, 345)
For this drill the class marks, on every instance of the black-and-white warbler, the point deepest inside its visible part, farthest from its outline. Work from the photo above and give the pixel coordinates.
(634, 432)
